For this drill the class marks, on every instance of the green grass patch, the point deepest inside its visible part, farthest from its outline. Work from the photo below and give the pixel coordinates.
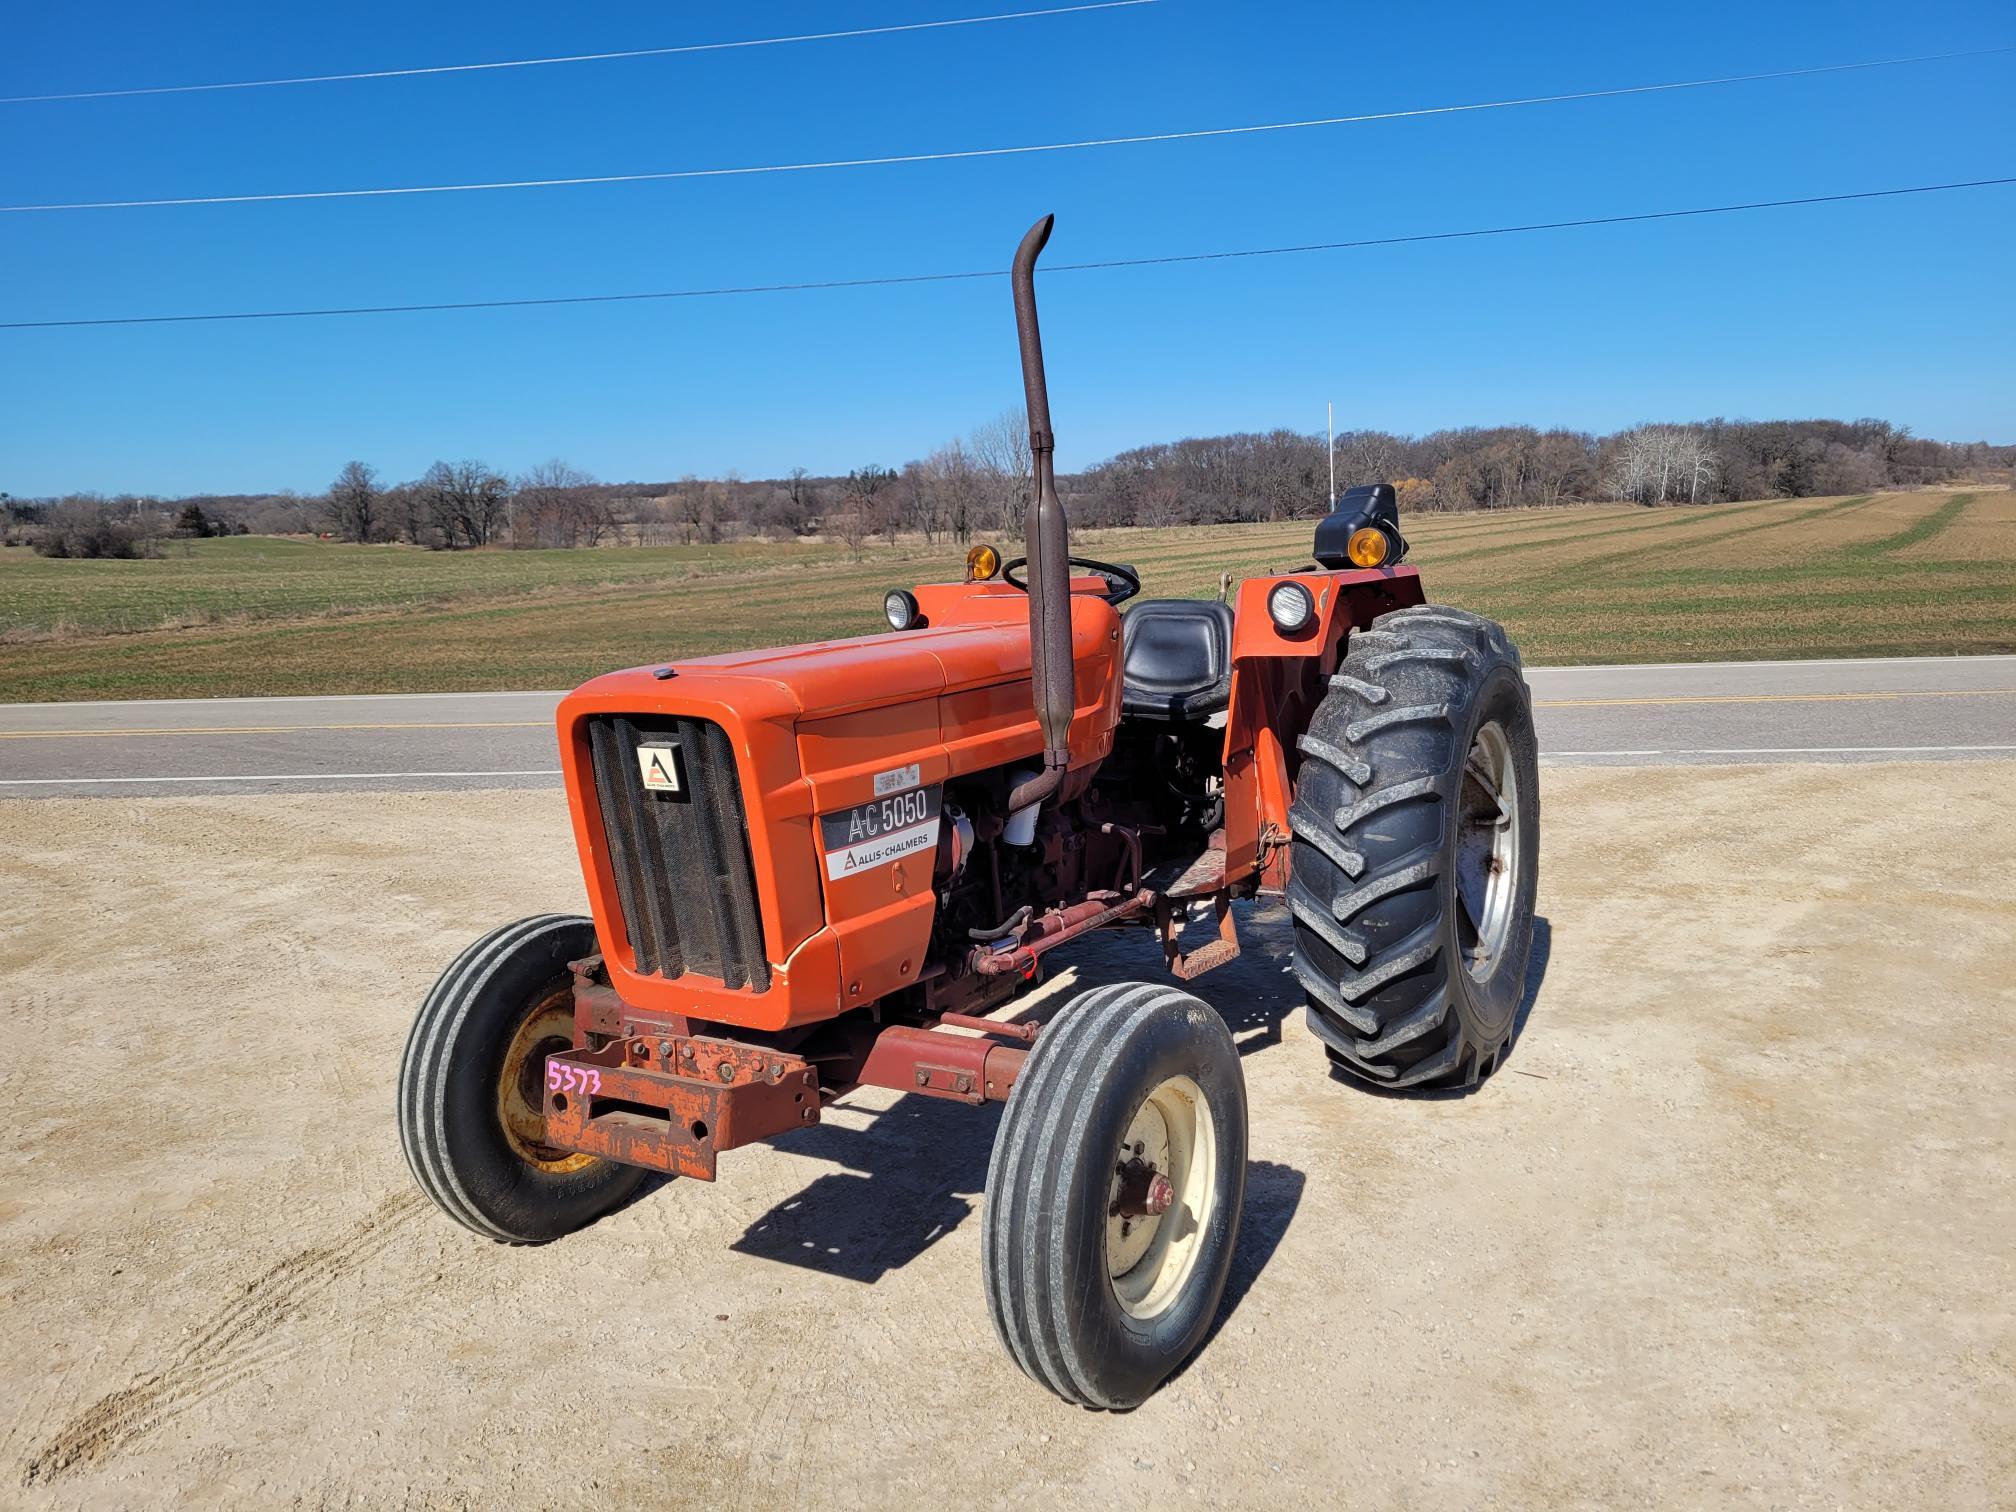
(1925, 529)
(253, 615)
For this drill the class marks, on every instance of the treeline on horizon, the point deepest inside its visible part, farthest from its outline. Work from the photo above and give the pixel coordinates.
(977, 485)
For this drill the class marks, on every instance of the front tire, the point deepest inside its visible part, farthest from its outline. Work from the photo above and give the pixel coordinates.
(1416, 827)
(1114, 1193)
(471, 1084)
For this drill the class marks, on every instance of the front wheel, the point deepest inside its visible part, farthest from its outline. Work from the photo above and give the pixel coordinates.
(471, 1089)
(1416, 827)
(1114, 1193)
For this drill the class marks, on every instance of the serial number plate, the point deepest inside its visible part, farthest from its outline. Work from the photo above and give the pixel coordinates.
(874, 834)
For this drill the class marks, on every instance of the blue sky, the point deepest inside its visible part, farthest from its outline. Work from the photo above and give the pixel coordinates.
(1896, 308)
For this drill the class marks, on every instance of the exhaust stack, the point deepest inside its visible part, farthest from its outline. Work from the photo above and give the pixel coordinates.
(1047, 543)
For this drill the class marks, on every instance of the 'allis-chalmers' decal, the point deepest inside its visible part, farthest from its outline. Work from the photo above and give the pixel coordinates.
(874, 834)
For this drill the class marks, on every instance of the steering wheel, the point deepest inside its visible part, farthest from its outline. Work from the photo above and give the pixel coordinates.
(1123, 582)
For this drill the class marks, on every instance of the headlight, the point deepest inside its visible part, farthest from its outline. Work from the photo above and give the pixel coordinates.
(901, 608)
(1369, 546)
(1291, 608)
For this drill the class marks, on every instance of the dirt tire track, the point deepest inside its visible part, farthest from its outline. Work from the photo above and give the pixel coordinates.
(223, 1352)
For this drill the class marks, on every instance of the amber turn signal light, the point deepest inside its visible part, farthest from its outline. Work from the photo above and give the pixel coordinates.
(982, 562)
(1368, 546)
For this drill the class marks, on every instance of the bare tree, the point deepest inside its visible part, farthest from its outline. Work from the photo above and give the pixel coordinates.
(1654, 463)
(86, 525)
(917, 501)
(958, 488)
(404, 509)
(559, 505)
(695, 505)
(1697, 464)
(1368, 456)
(794, 508)
(1001, 448)
(353, 503)
(467, 502)
(1562, 466)
(869, 505)
(850, 522)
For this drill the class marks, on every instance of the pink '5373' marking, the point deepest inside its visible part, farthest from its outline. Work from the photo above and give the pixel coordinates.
(561, 1077)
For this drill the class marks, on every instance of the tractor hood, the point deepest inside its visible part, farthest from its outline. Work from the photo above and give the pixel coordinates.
(975, 636)
(812, 730)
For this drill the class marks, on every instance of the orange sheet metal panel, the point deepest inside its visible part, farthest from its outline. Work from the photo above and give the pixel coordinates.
(983, 717)
(812, 727)
(1277, 681)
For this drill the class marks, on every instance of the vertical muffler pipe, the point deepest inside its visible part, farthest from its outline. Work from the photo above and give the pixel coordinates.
(1047, 544)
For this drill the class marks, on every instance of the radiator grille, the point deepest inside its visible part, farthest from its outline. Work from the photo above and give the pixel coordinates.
(681, 860)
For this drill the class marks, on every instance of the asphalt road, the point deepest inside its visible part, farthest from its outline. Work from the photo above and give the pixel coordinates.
(1916, 708)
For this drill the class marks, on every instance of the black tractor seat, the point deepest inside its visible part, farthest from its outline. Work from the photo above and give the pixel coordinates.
(1177, 659)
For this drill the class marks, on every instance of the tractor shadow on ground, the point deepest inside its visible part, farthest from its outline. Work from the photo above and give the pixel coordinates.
(1255, 993)
(909, 1175)
(914, 1172)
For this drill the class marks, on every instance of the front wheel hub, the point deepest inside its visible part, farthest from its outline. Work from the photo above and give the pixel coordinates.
(1165, 1174)
(547, 1030)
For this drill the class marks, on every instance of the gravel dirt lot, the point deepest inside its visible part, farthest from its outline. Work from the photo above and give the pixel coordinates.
(1733, 1225)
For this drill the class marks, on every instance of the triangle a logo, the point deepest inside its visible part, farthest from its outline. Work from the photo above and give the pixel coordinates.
(658, 765)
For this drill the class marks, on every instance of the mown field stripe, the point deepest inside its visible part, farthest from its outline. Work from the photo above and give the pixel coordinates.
(1692, 515)
(1582, 567)
(1918, 531)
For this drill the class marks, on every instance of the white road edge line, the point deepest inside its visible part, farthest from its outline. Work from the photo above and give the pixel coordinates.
(261, 777)
(1785, 750)
(1809, 661)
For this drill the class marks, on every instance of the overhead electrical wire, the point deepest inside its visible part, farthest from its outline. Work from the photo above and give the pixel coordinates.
(599, 57)
(995, 152)
(1079, 267)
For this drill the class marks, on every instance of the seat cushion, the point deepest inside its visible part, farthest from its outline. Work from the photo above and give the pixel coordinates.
(1178, 658)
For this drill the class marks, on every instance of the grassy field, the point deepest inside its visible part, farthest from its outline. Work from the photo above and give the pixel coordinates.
(1877, 575)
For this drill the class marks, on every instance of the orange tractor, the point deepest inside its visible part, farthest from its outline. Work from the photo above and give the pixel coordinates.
(824, 867)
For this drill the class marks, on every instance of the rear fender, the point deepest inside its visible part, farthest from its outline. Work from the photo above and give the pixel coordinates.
(1277, 682)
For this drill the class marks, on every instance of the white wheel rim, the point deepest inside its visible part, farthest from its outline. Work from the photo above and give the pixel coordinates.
(1488, 841)
(1151, 1256)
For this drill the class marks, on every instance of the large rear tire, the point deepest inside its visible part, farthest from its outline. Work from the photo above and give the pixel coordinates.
(1114, 1193)
(1416, 828)
(471, 1089)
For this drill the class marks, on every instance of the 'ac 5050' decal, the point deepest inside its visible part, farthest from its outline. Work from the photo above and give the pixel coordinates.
(874, 834)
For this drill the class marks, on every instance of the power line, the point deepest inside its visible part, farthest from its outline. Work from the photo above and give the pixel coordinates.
(1079, 267)
(990, 152)
(601, 57)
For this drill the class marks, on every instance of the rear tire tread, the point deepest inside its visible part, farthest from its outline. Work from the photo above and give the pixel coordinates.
(1371, 949)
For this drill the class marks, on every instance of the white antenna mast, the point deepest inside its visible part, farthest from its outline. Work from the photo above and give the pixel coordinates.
(1330, 409)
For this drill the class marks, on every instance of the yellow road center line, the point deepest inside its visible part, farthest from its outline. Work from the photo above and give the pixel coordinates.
(492, 724)
(1746, 698)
